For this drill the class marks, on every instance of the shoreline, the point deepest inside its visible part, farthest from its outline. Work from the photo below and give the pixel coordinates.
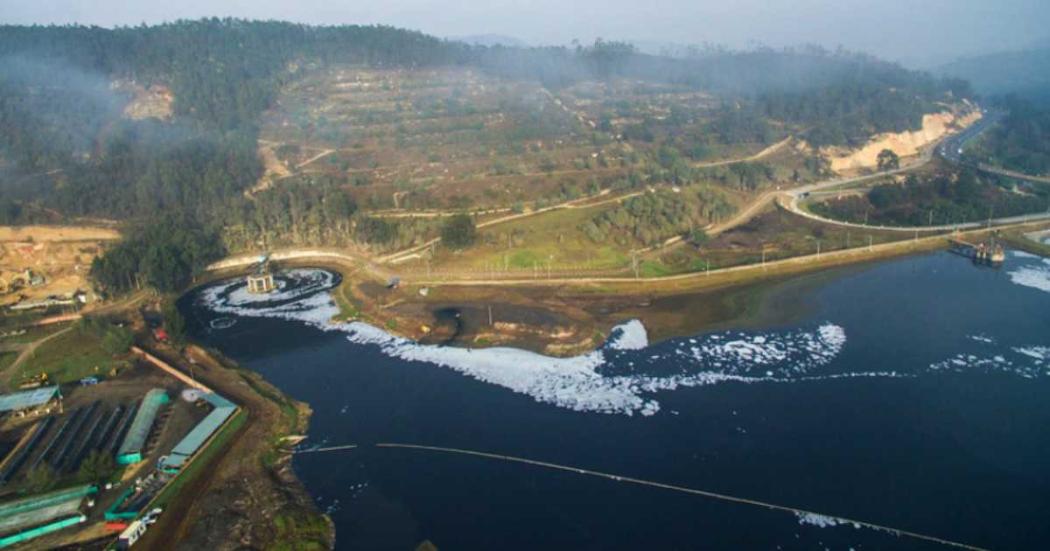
(565, 317)
(768, 297)
(563, 321)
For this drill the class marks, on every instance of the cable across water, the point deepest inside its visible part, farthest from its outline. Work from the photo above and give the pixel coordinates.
(653, 484)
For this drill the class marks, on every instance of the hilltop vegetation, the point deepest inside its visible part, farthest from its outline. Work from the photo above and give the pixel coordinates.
(291, 134)
(939, 198)
(1020, 142)
(1024, 73)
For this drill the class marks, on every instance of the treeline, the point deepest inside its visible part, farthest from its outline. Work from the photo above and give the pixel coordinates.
(58, 113)
(849, 113)
(841, 97)
(652, 218)
(295, 212)
(315, 210)
(165, 254)
(1021, 141)
(58, 116)
(222, 71)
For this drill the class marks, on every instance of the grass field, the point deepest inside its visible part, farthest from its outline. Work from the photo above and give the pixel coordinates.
(55, 358)
(33, 333)
(549, 240)
(780, 234)
(6, 359)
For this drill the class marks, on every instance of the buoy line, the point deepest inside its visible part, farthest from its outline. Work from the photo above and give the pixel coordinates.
(618, 478)
(326, 449)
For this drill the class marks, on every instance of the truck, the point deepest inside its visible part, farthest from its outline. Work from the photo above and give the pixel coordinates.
(131, 534)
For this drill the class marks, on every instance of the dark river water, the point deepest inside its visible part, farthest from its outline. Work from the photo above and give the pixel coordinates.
(913, 394)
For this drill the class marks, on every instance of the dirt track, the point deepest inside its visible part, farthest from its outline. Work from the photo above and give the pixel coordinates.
(57, 233)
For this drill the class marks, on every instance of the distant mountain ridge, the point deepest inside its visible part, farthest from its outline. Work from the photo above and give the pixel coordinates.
(490, 40)
(1025, 73)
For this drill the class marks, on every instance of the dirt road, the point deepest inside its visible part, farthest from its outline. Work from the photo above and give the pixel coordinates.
(750, 158)
(27, 352)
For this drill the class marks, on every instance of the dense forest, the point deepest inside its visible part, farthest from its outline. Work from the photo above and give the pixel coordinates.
(652, 218)
(1023, 73)
(1021, 141)
(65, 149)
(938, 199)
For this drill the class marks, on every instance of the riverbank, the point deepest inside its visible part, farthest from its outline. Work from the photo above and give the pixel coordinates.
(245, 494)
(568, 316)
(875, 347)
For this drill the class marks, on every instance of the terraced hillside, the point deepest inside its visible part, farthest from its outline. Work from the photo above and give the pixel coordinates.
(454, 138)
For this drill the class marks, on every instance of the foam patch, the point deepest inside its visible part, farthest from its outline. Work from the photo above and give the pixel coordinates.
(617, 378)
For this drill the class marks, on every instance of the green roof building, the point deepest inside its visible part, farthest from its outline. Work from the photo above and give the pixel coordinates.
(135, 440)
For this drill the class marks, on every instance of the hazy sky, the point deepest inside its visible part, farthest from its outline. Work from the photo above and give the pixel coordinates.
(912, 31)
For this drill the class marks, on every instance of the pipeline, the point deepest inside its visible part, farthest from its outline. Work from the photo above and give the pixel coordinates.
(682, 489)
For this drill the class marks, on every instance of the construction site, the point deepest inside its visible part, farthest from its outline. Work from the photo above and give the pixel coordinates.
(44, 267)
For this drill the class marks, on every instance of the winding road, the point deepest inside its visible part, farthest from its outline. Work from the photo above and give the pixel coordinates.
(382, 267)
(949, 149)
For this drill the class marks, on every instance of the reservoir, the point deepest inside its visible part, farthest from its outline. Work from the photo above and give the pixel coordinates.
(912, 394)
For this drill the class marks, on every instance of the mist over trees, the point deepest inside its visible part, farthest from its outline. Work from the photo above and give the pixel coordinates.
(1021, 141)
(62, 135)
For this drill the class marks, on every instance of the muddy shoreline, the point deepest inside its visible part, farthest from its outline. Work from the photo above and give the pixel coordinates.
(566, 320)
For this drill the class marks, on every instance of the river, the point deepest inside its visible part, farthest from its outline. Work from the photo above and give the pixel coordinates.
(912, 394)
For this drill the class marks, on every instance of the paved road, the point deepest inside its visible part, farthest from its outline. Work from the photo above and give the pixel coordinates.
(790, 202)
(949, 149)
(789, 199)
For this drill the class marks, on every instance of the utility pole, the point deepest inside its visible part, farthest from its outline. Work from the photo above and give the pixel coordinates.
(490, 315)
(931, 218)
(869, 243)
(818, 247)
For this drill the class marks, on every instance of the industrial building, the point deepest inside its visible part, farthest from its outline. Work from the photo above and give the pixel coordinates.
(32, 517)
(184, 450)
(135, 440)
(39, 401)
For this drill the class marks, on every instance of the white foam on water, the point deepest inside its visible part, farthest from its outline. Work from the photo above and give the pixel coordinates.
(1022, 254)
(305, 281)
(631, 336)
(1036, 275)
(982, 339)
(1029, 362)
(1040, 353)
(577, 383)
(820, 521)
(314, 309)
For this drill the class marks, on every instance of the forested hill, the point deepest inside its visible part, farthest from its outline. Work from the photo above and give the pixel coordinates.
(222, 71)
(66, 150)
(58, 112)
(1024, 73)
